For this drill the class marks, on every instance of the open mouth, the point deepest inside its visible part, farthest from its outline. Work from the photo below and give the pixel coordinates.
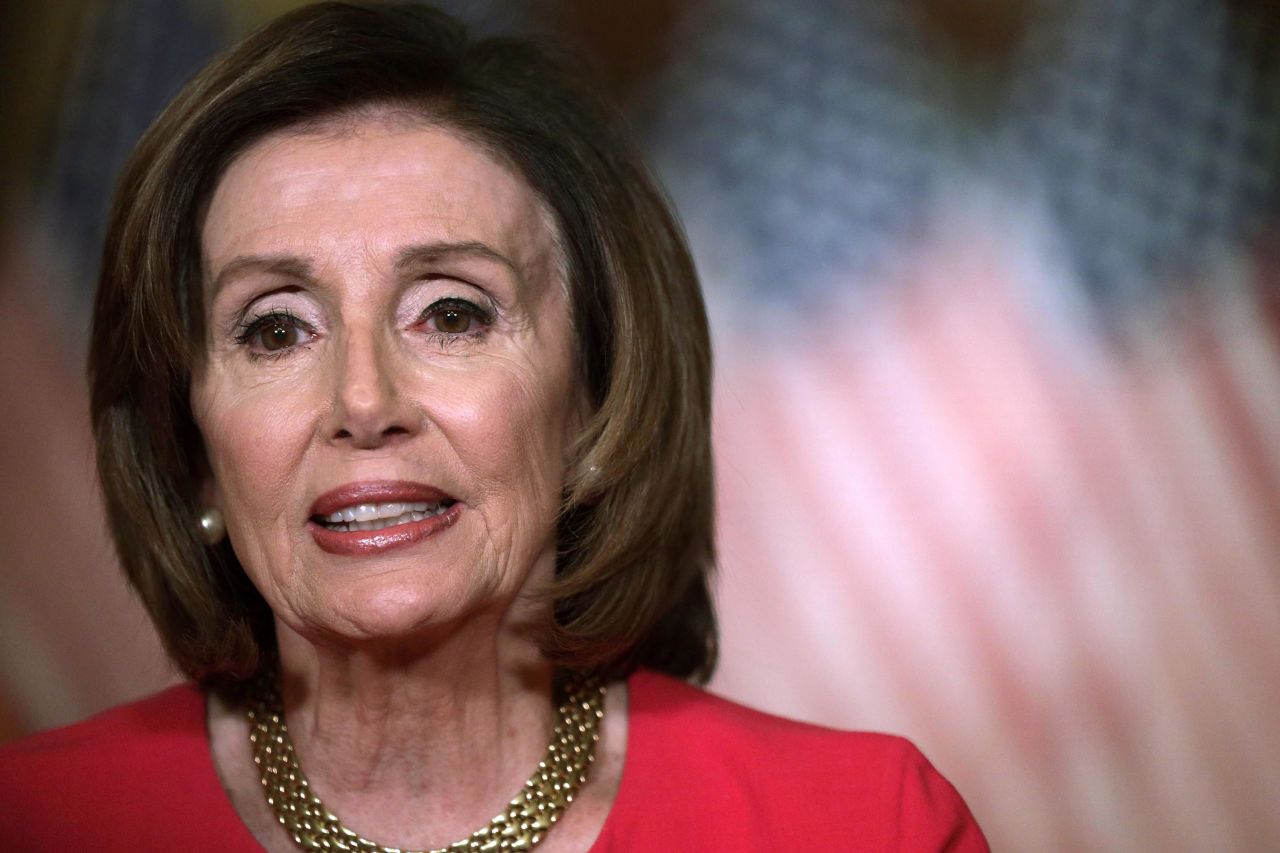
(370, 517)
(379, 516)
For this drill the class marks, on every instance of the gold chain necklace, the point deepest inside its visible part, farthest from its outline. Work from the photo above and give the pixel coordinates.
(521, 825)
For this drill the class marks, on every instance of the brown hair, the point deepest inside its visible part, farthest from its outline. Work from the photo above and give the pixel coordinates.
(635, 539)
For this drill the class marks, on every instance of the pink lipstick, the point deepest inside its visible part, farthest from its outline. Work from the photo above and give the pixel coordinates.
(365, 518)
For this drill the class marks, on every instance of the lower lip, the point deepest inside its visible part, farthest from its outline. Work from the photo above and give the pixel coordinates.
(360, 543)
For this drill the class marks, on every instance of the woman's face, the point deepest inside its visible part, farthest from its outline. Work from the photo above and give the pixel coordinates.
(390, 387)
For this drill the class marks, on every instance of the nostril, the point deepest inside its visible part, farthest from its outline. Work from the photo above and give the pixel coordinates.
(373, 437)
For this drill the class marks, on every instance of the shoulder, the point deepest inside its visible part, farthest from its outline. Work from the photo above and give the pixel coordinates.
(133, 733)
(95, 782)
(694, 713)
(702, 723)
(806, 784)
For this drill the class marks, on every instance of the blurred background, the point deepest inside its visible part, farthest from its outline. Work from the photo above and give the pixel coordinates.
(994, 289)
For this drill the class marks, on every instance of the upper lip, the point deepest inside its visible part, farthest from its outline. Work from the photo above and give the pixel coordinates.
(376, 491)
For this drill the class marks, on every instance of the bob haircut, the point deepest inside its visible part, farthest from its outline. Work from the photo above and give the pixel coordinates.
(635, 535)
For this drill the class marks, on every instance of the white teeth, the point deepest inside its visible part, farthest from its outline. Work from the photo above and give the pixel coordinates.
(380, 516)
(368, 512)
(374, 512)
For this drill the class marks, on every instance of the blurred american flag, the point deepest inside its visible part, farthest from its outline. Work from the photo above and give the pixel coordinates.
(1048, 557)
(998, 412)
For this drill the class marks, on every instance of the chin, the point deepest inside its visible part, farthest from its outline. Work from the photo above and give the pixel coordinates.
(401, 607)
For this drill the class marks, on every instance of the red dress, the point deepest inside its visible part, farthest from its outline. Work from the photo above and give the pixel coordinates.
(701, 774)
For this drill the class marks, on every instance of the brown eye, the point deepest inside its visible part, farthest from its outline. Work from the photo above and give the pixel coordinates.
(278, 336)
(452, 321)
(274, 333)
(455, 318)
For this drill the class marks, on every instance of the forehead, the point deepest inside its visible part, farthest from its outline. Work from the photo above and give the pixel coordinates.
(372, 183)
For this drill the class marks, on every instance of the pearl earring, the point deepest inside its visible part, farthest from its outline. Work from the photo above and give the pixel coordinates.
(212, 527)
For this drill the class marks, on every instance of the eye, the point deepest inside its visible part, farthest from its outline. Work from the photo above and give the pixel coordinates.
(277, 336)
(273, 333)
(451, 320)
(453, 316)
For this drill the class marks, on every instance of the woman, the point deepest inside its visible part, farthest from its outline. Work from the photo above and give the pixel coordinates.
(401, 393)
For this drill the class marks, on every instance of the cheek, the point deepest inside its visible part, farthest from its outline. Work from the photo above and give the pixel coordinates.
(254, 442)
(511, 432)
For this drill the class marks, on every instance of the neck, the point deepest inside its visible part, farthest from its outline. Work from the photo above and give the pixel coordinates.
(397, 739)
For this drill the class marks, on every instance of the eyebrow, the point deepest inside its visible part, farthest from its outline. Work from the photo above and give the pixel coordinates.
(427, 253)
(287, 266)
(292, 266)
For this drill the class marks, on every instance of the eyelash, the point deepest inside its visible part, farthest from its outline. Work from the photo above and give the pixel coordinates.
(452, 303)
(250, 327)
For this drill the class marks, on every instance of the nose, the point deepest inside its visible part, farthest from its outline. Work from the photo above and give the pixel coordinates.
(369, 409)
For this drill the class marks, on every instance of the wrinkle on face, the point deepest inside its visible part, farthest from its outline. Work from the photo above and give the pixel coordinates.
(488, 420)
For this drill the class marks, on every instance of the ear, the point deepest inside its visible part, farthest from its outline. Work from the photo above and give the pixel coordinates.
(580, 412)
(210, 495)
(211, 523)
(582, 475)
